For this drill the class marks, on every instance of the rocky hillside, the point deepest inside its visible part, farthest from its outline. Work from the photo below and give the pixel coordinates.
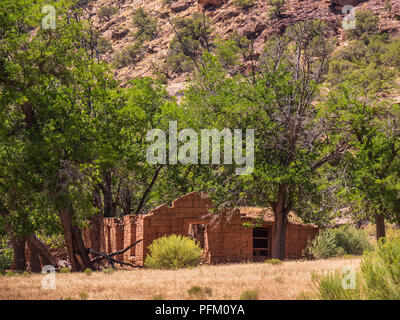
(253, 22)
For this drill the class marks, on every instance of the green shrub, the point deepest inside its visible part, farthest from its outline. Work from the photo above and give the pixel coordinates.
(243, 4)
(339, 241)
(103, 45)
(65, 270)
(146, 25)
(195, 291)
(6, 256)
(194, 36)
(200, 292)
(84, 296)
(379, 278)
(128, 55)
(381, 271)
(249, 295)
(208, 291)
(88, 272)
(330, 287)
(173, 252)
(105, 13)
(367, 24)
(227, 53)
(275, 10)
(352, 240)
(324, 245)
(273, 261)
(158, 297)
(108, 270)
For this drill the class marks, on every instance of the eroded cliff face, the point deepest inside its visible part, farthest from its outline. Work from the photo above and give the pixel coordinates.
(225, 17)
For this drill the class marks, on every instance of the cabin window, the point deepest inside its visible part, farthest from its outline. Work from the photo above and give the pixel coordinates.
(261, 242)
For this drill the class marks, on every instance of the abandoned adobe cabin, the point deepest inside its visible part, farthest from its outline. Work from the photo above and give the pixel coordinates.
(222, 236)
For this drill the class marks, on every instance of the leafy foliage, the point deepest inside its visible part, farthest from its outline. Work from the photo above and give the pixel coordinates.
(339, 241)
(381, 271)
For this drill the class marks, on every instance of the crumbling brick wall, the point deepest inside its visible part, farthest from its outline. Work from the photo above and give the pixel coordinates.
(164, 220)
(297, 237)
(225, 237)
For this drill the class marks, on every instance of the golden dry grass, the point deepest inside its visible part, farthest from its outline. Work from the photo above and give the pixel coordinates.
(285, 281)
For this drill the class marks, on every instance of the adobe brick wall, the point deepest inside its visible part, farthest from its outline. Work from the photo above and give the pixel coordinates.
(164, 220)
(297, 237)
(228, 239)
(225, 237)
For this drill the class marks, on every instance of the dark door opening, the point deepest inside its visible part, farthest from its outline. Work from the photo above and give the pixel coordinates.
(196, 232)
(262, 242)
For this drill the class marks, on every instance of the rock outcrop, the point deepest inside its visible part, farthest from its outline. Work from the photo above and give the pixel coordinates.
(226, 18)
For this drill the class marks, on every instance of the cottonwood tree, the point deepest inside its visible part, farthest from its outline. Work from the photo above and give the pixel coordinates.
(278, 101)
(51, 92)
(361, 75)
(70, 137)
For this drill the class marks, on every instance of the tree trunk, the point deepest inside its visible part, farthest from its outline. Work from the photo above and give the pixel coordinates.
(34, 260)
(380, 226)
(45, 255)
(77, 253)
(108, 195)
(279, 236)
(19, 260)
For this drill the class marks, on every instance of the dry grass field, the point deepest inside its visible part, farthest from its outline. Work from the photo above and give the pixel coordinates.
(284, 281)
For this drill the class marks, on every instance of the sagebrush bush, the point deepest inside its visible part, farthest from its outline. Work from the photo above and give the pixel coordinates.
(275, 8)
(249, 295)
(330, 287)
(381, 271)
(339, 241)
(145, 25)
(379, 278)
(273, 261)
(367, 24)
(103, 45)
(194, 36)
(128, 55)
(243, 4)
(324, 245)
(65, 270)
(352, 240)
(105, 13)
(173, 252)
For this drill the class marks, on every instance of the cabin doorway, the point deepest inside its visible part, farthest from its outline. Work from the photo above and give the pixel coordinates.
(197, 233)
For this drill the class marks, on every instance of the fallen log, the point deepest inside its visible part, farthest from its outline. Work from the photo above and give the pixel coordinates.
(99, 256)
